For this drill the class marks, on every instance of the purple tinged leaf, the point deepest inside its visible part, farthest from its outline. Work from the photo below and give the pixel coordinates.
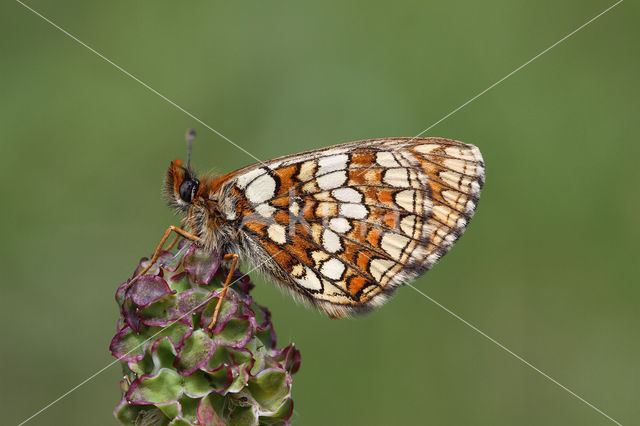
(175, 308)
(236, 358)
(128, 414)
(128, 311)
(289, 358)
(202, 383)
(236, 332)
(147, 289)
(201, 265)
(228, 309)
(189, 408)
(263, 316)
(195, 352)
(171, 409)
(243, 416)
(163, 353)
(155, 269)
(193, 300)
(127, 345)
(269, 387)
(180, 282)
(222, 377)
(241, 377)
(160, 388)
(282, 416)
(121, 292)
(208, 408)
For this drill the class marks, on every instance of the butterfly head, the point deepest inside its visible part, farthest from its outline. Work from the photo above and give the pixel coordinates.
(181, 183)
(181, 186)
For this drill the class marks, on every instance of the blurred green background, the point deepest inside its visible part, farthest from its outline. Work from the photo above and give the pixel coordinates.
(547, 266)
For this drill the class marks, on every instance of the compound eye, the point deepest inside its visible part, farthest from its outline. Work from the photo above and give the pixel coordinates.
(188, 189)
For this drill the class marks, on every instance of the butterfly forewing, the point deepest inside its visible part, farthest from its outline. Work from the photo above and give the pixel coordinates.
(347, 224)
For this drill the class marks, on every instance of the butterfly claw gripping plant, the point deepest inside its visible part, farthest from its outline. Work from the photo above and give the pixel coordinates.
(176, 371)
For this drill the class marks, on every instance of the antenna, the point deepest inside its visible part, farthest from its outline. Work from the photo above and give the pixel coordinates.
(191, 134)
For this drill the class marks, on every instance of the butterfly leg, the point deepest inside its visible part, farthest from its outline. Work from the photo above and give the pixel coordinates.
(234, 261)
(181, 233)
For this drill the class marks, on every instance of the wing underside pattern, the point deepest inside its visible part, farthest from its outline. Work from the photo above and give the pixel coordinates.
(350, 223)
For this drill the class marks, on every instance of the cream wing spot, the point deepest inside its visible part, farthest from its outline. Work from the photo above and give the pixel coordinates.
(265, 210)
(394, 244)
(426, 148)
(334, 293)
(319, 256)
(455, 164)
(464, 167)
(460, 152)
(261, 189)
(405, 199)
(348, 195)
(332, 269)
(294, 208)
(407, 225)
(428, 229)
(397, 177)
(331, 241)
(386, 159)
(332, 163)
(455, 180)
(307, 171)
(453, 197)
(414, 181)
(277, 233)
(247, 177)
(378, 267)
(445, 215)
(354, 211)
(332, 180)
(297, 270)
(407, 158)
(310, 187)
(309, 280)
(340, 225)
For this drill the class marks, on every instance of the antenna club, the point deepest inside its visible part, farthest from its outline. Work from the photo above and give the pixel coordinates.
(189, 136)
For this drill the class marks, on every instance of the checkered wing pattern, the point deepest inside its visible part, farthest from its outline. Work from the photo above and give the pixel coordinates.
(348, 224)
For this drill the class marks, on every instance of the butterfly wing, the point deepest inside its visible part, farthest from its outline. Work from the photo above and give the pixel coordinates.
(346, 225)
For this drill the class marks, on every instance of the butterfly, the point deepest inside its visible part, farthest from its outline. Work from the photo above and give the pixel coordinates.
(340, 227)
